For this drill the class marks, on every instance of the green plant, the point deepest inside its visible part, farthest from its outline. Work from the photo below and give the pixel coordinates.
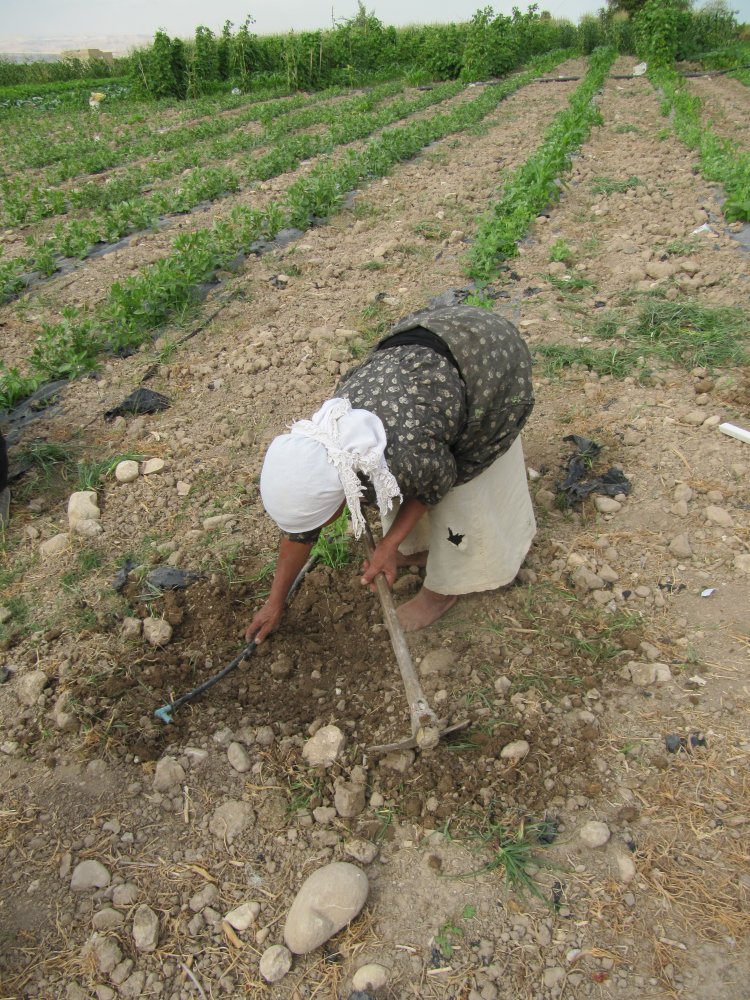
(91, 473)
(568, 283)
(560, 251)
(608, 185)
(332, 547)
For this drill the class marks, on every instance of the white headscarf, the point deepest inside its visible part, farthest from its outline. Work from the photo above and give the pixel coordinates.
(308, 472)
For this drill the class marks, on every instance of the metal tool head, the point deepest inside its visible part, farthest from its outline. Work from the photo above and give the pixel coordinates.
(429, 740)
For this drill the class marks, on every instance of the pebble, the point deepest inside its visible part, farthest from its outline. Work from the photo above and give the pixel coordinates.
(625, 868)
(553, 977)
(742, 562)
(230, 819)
(264, 736)
(106, 952)
(169, 775)
(126, 472)
(325, 747)
(204, 897)
(131, 628)
(243, 916)
(594, 834)
(644, 674)
(349, 798)
(107, 920)
(720, 516)
(84, 513)
(145, 929)
(153, 465)
(125, 894)
(370, 977)
(88, 875)
(217, 521)
(437, 661)
(515, 751)
(157, 631)
(363, 851)
(584, 579)
(607, 505)
(54, 546)
(327, 901)
(239, 758)
(29, 687)
(275, 962)
(680, 547)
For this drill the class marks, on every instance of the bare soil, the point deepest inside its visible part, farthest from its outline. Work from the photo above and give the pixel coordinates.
(662, 908)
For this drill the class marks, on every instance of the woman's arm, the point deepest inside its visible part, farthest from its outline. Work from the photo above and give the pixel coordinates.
(384, 557)
(292, 557)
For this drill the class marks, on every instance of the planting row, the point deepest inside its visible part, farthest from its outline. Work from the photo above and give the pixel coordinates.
(136, 307)
(77, 238)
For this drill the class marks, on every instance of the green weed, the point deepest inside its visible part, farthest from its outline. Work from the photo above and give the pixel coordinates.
(561, 251)
(90, 474)
(333, 546)
(608, 185)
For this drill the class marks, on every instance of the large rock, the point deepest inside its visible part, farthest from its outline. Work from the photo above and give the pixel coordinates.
(145, 929)
(325, 747)
(230, 819)
(89, 875)
(275, 962)
(84, 513)
(437, 661)
(169, 775)
(29, 686)
(328, 900)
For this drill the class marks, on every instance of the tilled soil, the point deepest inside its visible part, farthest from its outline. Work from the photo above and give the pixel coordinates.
(662, 908)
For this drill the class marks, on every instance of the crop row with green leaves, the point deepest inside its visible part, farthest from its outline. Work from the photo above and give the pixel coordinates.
(720, 160)
(24, 202)
(536, 183)
(136, 307)
(77, 238)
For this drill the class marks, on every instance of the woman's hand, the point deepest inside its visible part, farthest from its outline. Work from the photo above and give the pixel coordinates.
(266, 621)
(383, 561)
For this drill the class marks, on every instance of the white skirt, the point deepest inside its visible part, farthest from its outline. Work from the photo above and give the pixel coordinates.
(478, 535)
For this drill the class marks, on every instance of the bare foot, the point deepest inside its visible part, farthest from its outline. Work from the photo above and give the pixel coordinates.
(424, 609)
(415, 559)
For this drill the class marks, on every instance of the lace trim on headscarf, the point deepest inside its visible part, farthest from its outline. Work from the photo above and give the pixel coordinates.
(348, 462)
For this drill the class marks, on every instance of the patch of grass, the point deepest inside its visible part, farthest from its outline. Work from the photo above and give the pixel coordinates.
(625, 128)
(91, 473)
(332, 548)
(373, 265)
(681, 248)
(430, 230)
(687, 333)
(561, 251)
(47, 457)
(568, 283)
(608, 185)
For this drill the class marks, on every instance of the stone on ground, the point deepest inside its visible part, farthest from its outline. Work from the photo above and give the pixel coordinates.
(84, 513)
(243, 916)
(126, 472)
(55, 546)
(157, 631)
(327, 901)
(29, 686)
(239, 758)
(89, 875)
(594, 833)
(169, 775)
(325, 747)
(145, 929)
(370, 977)
(230, 819)
(275, 962)
(515, 751)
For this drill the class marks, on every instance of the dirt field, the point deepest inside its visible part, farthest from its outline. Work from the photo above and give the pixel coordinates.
(624, 628)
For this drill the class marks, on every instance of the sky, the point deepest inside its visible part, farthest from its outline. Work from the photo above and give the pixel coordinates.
(49, 19)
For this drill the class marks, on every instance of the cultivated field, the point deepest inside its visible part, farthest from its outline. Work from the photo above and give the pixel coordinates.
(237, 256)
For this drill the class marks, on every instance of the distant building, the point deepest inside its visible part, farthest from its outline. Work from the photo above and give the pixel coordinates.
(87, 55)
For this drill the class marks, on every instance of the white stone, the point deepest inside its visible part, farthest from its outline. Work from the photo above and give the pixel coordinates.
(515, 751)
(243, 916)
(370, 978)
(625, 868)
(217, 521)
(169, 775)
(107, 920)
(275, 962)
(327, 901)
(157, 631)
(325, 747)
(239, 758)
(183, 488)
(594, 834)
(502, 686)
(644, 674)
(87, 528)
(83, 506)
(230, 819)
(88, 875)
(126, 472)
(153, 465)
(29, 686)
(606, 505)
(54, 546)
(145, 929)
(742, 562)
